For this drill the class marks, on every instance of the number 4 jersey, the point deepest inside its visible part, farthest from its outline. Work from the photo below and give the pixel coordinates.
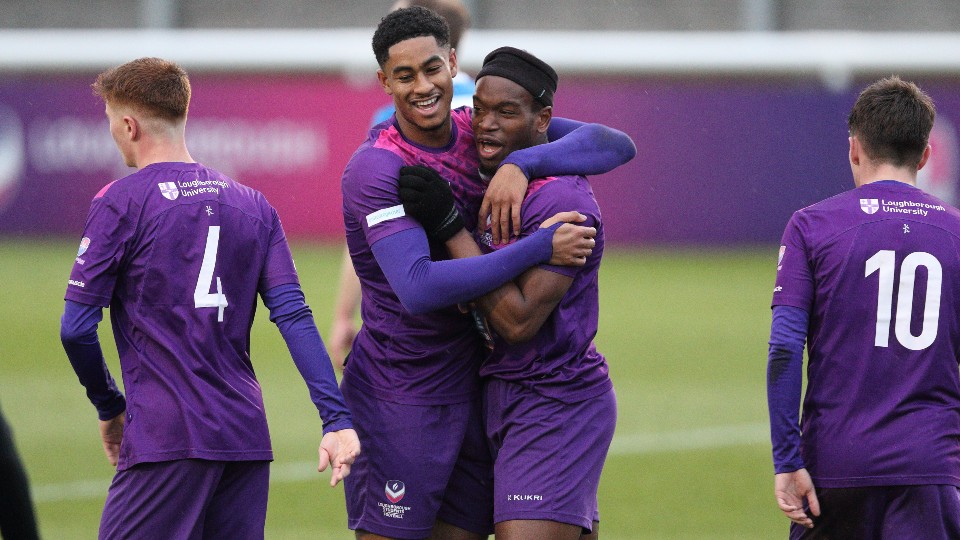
(179, 253)
(878, 270)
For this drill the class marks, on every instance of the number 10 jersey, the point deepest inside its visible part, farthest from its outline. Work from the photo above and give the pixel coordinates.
(878, 270)
(179, 253)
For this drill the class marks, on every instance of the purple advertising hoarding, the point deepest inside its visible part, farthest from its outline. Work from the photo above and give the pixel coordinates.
(721, 161)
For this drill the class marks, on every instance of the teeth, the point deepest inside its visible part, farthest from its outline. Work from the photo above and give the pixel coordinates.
(427, 103)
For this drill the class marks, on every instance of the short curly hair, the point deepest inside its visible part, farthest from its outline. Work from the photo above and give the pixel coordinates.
(408, 23)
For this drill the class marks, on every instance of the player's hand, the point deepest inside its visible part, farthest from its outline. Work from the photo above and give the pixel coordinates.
(342, 333)
(338, 449)
(791, 490)
(111, 434)
(427, 197)
(501, 203)
(572, 244)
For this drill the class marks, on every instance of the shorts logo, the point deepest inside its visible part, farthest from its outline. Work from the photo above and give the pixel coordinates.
(395, 490)
(169, 190)
(870, 206)
(84, 244)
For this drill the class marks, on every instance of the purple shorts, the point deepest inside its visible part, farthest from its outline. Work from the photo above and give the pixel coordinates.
(419, 464)
(929, 512)
(548, 454)
(188, 499)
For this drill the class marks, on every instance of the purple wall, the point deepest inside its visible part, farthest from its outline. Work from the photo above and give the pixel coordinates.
(720, 161)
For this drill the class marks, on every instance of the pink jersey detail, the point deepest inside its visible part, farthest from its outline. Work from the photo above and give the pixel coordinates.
(104, 190)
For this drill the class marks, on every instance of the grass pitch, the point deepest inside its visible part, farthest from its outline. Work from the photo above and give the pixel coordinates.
(684, 332)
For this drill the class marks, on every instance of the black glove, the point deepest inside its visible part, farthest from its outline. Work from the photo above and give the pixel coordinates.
(427, 198)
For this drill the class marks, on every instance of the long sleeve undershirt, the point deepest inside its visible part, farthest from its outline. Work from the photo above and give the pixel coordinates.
(575, 148)
(423, 285)
(289, 311)
(78, 333)
(788, 334)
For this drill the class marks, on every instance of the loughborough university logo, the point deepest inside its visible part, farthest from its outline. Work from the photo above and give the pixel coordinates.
(870, 206)
(395, 490)
(169, 190)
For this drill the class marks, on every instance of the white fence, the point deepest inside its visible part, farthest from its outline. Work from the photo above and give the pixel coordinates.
(833, 56)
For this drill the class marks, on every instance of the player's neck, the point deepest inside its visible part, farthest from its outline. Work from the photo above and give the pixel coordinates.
(884, 171)
(163, 152)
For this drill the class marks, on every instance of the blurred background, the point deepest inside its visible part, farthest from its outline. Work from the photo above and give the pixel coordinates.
(738, 109)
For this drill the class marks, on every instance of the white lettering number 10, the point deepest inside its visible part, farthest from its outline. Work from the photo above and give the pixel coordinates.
(885, 262)
(202, 297)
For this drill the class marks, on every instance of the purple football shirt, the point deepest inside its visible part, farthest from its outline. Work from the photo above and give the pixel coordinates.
(397, 356)
(878, 270)
(560, 361)
(179, 253)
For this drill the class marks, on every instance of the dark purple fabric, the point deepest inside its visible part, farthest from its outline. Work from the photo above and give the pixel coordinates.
(289, 311)
(576, 149)
(424, 285)
(78, 333)
(788, 333)
(878, 270)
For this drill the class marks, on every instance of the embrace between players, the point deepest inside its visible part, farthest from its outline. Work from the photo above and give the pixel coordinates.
(473, 386)
(443, 454)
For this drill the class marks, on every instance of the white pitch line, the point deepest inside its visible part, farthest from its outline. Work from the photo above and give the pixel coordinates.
(690, 439)
(623, 445)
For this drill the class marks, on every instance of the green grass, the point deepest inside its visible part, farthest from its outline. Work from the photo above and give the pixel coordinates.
(684, 332)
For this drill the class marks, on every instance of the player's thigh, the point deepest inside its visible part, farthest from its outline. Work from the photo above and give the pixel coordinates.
(160, 500)
(238, 507)
(527, 529)
(467, 504)
(549, 454)
(445, 531)
(396, 486)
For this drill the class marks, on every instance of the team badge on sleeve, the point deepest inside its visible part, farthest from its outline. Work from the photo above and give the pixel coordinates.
(870, 206)
(84, 244)
(169, 190)
(395, 490)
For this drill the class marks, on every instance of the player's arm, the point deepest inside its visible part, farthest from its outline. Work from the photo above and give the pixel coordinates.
(78, 334)
(400, 247)
(424, 285)
(792, 484)
(289, 311)
(576, 148)
(344, 327)
(517, 309)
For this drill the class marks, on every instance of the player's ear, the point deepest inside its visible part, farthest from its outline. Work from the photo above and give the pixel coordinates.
(382, 79)
(543, 119)
(924, 157)
(854, 151)
(453, 62)
(131, 127)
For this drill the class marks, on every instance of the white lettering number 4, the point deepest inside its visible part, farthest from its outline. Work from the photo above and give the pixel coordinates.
(885, 262)
(202, 297)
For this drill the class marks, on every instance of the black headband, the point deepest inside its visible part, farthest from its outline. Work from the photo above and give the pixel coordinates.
(523, 68)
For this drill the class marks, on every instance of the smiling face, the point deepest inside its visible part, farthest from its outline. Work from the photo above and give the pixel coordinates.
(419, 75)
(505, 118)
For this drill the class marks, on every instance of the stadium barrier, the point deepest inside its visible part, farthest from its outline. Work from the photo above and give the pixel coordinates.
(734, 131)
